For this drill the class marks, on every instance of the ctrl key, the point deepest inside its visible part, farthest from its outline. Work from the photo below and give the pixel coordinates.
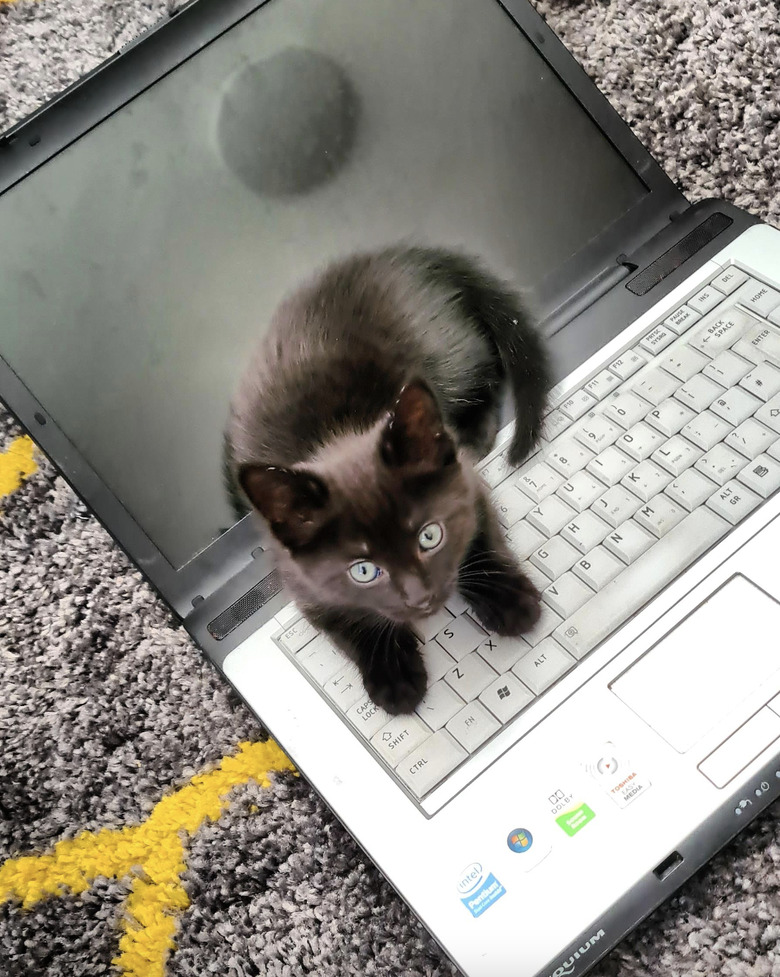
(427, 766)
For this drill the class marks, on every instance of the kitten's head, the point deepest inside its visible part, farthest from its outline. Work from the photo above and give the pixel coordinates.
(379, 521)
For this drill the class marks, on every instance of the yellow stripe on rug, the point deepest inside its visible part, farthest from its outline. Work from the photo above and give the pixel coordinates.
(16, 462)
(151, 853)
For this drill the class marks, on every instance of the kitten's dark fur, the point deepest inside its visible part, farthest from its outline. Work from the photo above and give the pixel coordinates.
(357, 425)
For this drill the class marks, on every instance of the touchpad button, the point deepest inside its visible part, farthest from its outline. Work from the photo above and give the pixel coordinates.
(699, 672)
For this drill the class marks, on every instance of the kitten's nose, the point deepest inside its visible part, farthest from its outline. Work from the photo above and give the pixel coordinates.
(416, 595)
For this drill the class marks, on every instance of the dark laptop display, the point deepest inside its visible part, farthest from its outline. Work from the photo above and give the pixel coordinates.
(283, 144)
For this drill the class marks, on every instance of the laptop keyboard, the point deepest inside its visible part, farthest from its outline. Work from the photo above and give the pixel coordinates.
(642, 470)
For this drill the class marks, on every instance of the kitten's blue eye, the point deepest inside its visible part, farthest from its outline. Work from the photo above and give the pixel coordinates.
(365, 572)
(430, 536)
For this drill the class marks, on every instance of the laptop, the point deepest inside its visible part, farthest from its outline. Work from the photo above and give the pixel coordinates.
(550, 791)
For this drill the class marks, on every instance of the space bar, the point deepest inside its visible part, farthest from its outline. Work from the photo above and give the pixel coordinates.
(640, 581)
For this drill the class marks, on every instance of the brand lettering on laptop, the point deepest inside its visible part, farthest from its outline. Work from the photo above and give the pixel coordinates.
(568, 967)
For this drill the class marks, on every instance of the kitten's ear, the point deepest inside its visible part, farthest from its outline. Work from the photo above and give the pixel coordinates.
(294, 503)
(414, 436)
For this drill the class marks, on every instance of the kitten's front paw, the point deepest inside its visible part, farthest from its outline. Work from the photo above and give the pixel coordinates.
(509, 604)
(397, 680)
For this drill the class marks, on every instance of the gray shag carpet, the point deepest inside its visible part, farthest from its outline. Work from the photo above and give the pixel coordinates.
(106, 707)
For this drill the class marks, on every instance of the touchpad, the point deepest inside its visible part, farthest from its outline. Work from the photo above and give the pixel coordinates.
(698, 673)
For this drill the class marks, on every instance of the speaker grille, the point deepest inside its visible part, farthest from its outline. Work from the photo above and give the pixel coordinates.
(674, 257)
(246, 606)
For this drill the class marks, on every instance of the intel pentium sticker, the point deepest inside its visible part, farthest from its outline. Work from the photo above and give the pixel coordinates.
(573, 821)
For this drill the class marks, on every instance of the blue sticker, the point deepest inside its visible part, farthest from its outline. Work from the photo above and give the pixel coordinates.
(477, 890)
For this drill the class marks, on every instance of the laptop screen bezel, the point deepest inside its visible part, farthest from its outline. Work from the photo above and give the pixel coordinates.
(116, 82)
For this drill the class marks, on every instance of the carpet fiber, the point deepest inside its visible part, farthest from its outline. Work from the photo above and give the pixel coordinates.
(146, 827)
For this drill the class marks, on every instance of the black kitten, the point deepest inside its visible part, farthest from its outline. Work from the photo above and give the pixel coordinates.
(354, 433)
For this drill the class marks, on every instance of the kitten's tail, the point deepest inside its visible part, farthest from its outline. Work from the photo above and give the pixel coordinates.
(502, 315)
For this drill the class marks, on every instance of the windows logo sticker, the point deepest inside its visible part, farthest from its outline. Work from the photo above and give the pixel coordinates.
(520, 840)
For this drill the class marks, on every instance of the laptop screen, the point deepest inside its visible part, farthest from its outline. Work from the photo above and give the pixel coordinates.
(140, 265)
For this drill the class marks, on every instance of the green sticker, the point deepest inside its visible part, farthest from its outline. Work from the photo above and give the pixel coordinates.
(572, 821)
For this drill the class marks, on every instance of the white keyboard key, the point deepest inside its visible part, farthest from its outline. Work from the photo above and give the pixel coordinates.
(625, 409)
(555, 423)
(581, 491)
(523, 539)
(428, 627)
(660, 515)
(578, 404)
(682, 319)
(456, 604)
(640, 441)
(706, 299)
(511, 505)
(297, 636)
(542, 666)
(472, 726)
(763, 381)
(690, 489)
(585, 531)
(501, 652)
(628, 542)
(602, 384)
(683, 362)
(656, 385)
(627, 593)
(598, 567)
(288, 615)
(760, 343)
(539, 481)
(506, 697)
(750, 438)
(763, 475)
(719, 330)
(698, 393)
(470, 676)
(567, 594)
(658, 339)
(437, 661)
(727, 369)
(676, 455)
(757, 297)
(706, 430)
(550, 516)
(733, 501)
(729, 280)
(460, 637)
(627, 364)
(439, 705)
(646, 480)
(596, 432)
(720, 464)
(670, 417)
(431, 763)
(345, 688)
(568, 457)
(367, 717)
(769, 414)
(610, 466)
(320, 659)
(398, 738)
(497, 469)
(554, 557)
(735, 405)
(616, 505)
(547, 623)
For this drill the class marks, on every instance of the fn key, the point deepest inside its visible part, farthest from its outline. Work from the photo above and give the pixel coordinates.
(429, 764)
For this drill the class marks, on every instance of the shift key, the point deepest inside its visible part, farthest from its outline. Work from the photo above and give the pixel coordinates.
(431, 763)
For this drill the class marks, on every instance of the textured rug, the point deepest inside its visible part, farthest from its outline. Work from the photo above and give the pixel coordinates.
(146, 827)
